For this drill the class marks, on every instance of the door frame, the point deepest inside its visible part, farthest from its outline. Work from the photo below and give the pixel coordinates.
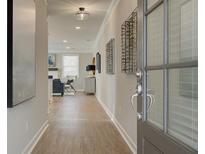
(142, 64)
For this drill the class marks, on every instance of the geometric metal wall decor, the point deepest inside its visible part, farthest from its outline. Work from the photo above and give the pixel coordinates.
(110, 50)
(129, 44)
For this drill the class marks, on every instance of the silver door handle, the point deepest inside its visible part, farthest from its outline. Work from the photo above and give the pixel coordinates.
(139, 74)
(152, 100)
(139, 115)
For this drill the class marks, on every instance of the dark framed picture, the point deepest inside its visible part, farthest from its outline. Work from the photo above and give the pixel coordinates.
(98, 62)
(21, 62)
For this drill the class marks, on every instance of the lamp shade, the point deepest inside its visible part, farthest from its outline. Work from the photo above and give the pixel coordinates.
(82, 14)
(90, 67)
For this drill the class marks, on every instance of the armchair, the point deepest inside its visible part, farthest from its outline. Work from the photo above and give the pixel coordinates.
(58, 87)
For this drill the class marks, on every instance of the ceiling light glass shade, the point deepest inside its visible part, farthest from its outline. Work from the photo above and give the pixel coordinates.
(82, 14)
(77, 27)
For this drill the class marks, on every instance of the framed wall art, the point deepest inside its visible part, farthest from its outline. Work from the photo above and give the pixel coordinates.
(21, 71)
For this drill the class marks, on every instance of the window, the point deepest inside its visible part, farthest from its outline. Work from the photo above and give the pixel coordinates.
(172, 67)
(70, 65)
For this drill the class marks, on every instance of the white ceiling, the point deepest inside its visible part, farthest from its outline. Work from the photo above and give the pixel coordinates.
(62, 23)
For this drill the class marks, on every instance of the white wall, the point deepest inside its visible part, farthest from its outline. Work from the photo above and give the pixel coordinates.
(114, 91)
(84, 60)
(24, 120)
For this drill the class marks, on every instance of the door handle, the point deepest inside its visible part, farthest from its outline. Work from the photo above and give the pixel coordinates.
(139, 74)
(139, 115)
(151, 101)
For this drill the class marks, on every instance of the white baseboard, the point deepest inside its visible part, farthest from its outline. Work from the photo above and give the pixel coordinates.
(109, 113)
(119, 127)
(125, 136)
(30, 146)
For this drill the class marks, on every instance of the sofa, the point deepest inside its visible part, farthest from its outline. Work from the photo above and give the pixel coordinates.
(58, 87)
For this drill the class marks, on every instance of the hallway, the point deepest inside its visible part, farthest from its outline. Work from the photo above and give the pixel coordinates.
(139, 59)
(79, 125)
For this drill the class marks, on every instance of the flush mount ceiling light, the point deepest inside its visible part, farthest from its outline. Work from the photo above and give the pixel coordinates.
(67, 47)
(82, 14)
(77, 27)
(65, 41)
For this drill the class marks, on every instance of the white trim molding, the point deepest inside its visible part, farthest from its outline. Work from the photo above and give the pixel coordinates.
(120, 128)
(125, 136)
(105, 108)
(30, 146)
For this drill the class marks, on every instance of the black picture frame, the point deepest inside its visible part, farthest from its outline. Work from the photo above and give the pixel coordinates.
(21, 56)
(98, 62)
(9, 53)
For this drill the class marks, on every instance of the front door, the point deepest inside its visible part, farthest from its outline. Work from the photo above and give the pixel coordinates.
(167, 89)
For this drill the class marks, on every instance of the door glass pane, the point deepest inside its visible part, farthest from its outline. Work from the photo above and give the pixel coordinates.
(155, 90)
(183, 105)
(150, 3)
(155, 37)
(183, 30)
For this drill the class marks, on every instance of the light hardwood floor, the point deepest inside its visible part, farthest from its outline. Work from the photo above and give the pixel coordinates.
(79, 125)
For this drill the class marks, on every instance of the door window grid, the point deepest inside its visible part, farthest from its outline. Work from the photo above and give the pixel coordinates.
(155, 88)
(183, 104)
(167, 67)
